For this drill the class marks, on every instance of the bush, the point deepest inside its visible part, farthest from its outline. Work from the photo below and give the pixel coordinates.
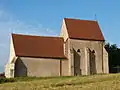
(4, 80)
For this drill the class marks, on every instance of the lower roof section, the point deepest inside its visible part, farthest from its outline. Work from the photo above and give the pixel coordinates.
(38, 46)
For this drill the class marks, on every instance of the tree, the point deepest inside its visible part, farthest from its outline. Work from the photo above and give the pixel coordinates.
(114, 56)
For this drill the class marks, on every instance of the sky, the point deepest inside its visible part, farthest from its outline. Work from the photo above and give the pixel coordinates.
(44, 17)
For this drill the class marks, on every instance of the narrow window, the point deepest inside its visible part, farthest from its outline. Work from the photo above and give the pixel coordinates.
(93, 51)
(78, 50)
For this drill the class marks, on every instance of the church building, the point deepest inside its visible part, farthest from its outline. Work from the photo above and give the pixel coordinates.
(78, 50)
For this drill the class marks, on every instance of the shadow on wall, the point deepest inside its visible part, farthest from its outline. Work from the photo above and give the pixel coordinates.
(77, 70)
(92, 62)
(20, 68)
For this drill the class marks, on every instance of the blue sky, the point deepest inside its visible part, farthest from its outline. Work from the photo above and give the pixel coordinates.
(44, 17)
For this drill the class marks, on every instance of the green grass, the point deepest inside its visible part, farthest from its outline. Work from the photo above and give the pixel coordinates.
(94, 82)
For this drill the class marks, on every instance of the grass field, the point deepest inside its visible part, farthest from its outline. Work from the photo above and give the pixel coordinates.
(94, 82)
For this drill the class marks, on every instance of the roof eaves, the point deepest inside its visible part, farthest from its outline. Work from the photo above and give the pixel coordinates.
(86, 39)
(44, 57)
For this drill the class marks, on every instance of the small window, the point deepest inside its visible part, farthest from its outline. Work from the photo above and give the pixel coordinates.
(78, 50)
(93, 51)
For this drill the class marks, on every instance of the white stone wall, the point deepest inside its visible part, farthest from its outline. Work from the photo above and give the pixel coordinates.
(9, 70)
(12, 51)
(105, 61)
(10, 65)
(64, 32)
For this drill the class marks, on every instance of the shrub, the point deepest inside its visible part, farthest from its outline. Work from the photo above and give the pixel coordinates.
(4, 80)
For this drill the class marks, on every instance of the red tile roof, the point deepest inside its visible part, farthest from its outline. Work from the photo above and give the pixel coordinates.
(38, 46)
(83, 29)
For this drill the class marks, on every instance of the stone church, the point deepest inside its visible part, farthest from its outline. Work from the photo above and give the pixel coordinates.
(79, 50)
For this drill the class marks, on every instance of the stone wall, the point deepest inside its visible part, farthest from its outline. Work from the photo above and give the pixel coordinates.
(97, 46)
(39, 67)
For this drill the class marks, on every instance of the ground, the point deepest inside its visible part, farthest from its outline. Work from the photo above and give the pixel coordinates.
(94, 82)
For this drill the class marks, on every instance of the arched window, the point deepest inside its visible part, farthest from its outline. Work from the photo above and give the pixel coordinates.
(92, 62)
(93, 51)
(78, 50)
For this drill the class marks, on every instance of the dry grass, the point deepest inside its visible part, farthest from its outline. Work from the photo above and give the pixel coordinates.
(94, 82)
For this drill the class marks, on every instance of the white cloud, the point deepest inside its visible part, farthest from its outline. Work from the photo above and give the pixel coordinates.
(9, 25)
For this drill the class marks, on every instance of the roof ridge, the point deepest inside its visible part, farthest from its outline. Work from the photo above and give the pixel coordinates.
(36, 35)
(80, 19)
